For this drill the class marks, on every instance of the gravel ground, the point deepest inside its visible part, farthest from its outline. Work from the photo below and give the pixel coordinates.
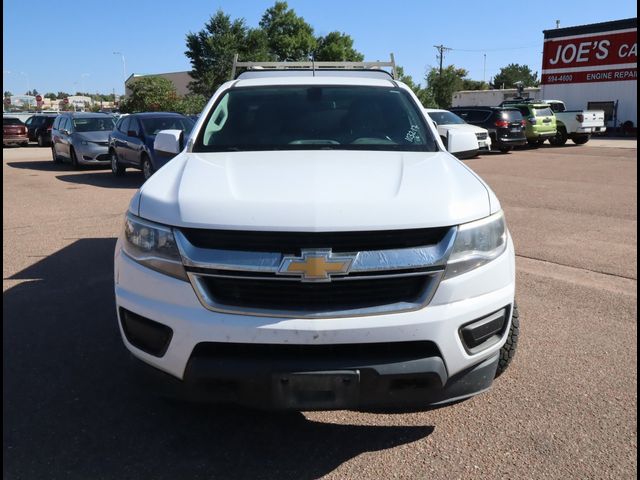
(566, 408)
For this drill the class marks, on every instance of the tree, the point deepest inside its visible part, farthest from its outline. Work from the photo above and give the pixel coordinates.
(150, 94)
(7, 94)
(424, 95)
(289, 37)
(50, 96)
(211, 51)
(62, 95)
(336, 46)
(442, 85)
(191, 104)
(468, 84)
(513, 73)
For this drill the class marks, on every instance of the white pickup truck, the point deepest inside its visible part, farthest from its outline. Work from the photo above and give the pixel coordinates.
(314, 245)
(578, 125)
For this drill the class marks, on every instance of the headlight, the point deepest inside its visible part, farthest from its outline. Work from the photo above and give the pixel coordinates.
(153, 246)
(476, 244)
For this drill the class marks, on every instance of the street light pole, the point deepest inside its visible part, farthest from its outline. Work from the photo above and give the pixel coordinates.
(124, 70)
(484, 69)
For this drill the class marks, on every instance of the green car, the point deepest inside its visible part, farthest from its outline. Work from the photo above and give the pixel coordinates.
(539, 118)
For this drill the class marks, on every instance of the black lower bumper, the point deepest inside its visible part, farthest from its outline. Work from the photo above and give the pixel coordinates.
(502, 142)
(365, 384)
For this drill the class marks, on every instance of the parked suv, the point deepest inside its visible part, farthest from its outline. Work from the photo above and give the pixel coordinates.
(81, 138)
(315, 246)
(447, 121)
(539, 119)
(14, 132)
(39, 127)
(131, 142)
(505, 125)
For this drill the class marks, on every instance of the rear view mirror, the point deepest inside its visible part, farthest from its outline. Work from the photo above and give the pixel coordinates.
(169, 142)
(462, 144)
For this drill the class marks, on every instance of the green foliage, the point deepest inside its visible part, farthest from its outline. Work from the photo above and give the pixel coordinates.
(336, 46)
(289, 37)
(513, 73)
(150, 94)
(282, 36)
(442, 85)
(211, 51)
(62, 95)
(50, 96)
(7, 93)
(191, 104)
(468, 84)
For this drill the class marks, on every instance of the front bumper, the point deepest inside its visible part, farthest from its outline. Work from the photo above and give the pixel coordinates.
(93, 154)
(443, 373)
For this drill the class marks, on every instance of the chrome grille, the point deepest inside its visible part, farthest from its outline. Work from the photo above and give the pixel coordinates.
(481, 136)
(379, 281)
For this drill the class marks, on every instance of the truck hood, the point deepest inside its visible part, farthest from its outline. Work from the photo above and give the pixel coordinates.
(313, 191)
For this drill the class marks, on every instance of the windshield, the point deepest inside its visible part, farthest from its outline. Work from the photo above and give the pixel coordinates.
(511, 115)
(446, 118)
(152, 125)
(315, 117)
(93, 124)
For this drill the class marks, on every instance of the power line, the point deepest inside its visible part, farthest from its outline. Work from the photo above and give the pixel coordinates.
(493, 49)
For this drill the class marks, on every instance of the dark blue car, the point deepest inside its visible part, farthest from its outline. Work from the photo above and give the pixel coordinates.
(131, 141)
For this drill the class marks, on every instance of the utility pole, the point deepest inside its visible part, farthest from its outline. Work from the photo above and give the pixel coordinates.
(441, 49)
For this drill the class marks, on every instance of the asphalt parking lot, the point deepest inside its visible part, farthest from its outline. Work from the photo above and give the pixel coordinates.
(566, 408)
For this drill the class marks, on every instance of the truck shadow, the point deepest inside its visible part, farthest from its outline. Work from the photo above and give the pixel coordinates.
(72, 410)
(132, 179)
(97, 176)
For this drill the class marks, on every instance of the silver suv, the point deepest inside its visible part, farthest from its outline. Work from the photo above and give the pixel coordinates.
(81, 138)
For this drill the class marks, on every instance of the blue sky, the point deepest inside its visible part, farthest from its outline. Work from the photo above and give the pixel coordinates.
(69, 45)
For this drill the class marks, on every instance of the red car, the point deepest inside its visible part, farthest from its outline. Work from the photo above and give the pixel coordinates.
(14, 132)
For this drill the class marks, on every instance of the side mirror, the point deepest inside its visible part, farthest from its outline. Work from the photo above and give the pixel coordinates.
(462, 144)
(169, 142)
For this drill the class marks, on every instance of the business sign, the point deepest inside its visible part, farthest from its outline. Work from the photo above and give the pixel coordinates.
(591, 57)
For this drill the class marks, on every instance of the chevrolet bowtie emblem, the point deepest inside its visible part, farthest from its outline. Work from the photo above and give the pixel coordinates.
(316, 265)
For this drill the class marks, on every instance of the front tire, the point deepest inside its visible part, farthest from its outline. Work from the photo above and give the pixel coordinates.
(116, 167)
(74, 160)
(508, 350)
(40, 140)
(54, 155)
(147, 167)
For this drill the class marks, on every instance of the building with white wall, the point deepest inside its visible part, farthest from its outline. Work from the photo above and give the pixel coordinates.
(594, 66)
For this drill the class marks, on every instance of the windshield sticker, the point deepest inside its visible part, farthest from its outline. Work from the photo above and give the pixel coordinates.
(411, 134)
